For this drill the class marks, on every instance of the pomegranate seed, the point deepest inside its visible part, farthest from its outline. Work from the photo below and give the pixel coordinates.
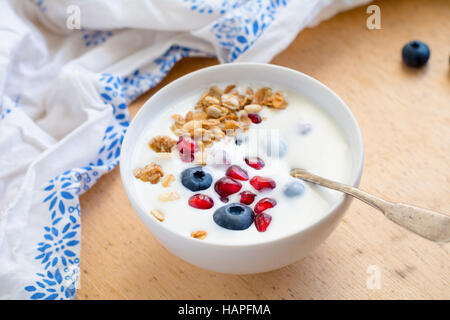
(201, 201)
(264, 204)
(256, 118)
(186, 146)
(262, 221)
(247, 197)
(261, 183)
(254, 162)
(237, 172)
(187, 157)
(226, 186)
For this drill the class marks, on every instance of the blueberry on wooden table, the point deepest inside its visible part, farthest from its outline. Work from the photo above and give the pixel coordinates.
(415, 54)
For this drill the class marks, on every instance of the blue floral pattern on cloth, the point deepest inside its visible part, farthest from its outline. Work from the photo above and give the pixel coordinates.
(207, 6)
(40, 4)
(58, 252)
(240, 24)
(94, 38)
(238, 29)
(8, 109)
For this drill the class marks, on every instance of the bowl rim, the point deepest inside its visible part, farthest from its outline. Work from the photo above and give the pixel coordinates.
(332, 210)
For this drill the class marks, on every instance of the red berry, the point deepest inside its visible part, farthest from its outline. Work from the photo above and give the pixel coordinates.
(187, 157)
(264, 204)
(247, 197)
(201, 201)
(224, 199)
(262, 221)
(256, 118)
(186, 146)
(254, 162)
(261, 183)
(226, 186)
(237, 172)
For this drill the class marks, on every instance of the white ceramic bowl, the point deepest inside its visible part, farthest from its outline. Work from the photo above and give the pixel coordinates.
(253, 258)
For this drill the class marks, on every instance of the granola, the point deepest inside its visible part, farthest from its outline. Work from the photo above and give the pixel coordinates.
(200, 234)
(167, 180)
(150, 173)
(162, 144)
(217, 114)
(253, 108)
(168, 196)
(157, 214)
(225, 111)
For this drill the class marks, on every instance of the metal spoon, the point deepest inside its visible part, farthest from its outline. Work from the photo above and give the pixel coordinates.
(429, 224)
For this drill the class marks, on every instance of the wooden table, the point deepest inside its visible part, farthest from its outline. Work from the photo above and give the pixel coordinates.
(404, 116)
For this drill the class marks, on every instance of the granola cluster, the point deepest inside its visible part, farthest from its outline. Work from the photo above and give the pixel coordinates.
(168, 196)
(167, 180)
(157, 214)
(219, 113)
(200, 234)
(162, 144)
(150, 173)
(153, 173)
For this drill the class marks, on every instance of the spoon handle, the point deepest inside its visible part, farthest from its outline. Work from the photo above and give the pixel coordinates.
(429, 224)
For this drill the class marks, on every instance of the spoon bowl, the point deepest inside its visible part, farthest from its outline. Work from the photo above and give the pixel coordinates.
(429, 224)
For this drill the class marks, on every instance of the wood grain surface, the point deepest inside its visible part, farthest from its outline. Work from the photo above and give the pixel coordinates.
(404, 116)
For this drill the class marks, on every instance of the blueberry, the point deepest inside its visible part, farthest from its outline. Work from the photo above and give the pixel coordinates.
(234, 216)
(272, 148)
(305, 128)
(294, 189)
(415, 54)
(240, 139)
(196, 179)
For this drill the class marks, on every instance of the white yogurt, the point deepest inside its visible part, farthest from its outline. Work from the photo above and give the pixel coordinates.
(323, 151)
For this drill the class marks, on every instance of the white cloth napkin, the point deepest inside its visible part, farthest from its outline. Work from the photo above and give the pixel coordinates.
(64, 96)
